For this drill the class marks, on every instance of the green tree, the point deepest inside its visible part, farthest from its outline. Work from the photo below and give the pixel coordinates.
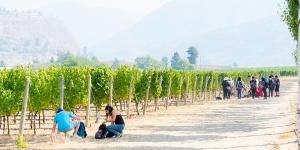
(193, 55)
(146, 62)
(180, 64)
(115, 64)
(290, 16)
(165, 61)
(2, 63)
(69, 59)
(175, 60)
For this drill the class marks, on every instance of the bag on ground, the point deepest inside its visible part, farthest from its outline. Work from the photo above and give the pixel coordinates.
(81, 131)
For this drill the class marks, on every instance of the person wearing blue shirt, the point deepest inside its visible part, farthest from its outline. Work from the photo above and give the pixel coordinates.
(65, 122)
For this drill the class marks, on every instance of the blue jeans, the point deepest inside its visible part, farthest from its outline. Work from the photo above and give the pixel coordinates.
(115, 128)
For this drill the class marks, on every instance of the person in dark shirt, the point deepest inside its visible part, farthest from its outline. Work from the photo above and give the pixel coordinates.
(239, 87)
(253, 87)
(226, 88)
(271, 86)
(277, 86)
(264, 85)
(115, 118)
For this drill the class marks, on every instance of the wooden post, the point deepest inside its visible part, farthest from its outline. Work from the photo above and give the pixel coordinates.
(34, 125)
(39, 120)
(156, 98)
(211, 87)
(169, 92)
(111, 91)
(147, 97)
(217, 90)
(20, 141)
(88, 101)
(186, 91)
(129, 97)
(194, 89)
(97, 111)
(8, 129)
(4, 119)
(205, 89)
(180, 95)
(61, 93)
(201, 88)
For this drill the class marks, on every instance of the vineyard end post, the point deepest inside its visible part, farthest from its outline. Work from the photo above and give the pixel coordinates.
(61, 92)
(129, 97)
(111, 91)
(88, 101)
(20, 141)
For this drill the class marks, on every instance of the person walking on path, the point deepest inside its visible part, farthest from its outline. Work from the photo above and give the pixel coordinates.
(264, 85)
(253, 87)
(226, 88)
(239, 87)
(277, 86)
(271, 86)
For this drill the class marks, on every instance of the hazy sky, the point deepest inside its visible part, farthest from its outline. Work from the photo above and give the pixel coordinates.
(142, 6)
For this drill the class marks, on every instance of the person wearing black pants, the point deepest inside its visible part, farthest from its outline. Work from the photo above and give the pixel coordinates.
(277, 86)
(239, 87)
(226, 86)
(264, 86)
(271, 86)
(253, 87)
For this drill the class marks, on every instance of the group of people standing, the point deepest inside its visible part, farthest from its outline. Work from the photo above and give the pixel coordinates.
(263, 88)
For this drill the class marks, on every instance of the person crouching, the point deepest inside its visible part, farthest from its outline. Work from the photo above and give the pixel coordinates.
(65, 122)
(115, 118)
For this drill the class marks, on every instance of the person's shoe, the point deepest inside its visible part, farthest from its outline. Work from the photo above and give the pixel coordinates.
(118, 135)
(77, 137)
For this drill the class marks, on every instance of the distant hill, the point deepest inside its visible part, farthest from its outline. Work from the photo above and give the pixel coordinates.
(90, 24)
(29, 35)
(249, 33)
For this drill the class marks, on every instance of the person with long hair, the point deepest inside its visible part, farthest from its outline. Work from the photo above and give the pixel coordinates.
(115, 118)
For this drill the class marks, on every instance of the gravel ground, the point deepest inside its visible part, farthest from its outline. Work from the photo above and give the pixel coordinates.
(212, 125)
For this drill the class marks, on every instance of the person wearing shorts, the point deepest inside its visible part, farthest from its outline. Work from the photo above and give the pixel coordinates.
(65, 122)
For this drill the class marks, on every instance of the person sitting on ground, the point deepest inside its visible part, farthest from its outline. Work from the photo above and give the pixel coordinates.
(277, 86)
(115, 118)
(62, 119)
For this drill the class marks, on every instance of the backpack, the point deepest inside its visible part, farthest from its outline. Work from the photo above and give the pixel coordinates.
(240, 85)
(266, 84)
(277, 83)
(271, 83)
(102, 132)
(253, 84)
(81, 131)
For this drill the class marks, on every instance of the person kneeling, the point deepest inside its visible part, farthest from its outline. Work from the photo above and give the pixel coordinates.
(62, 119)
(115, 118)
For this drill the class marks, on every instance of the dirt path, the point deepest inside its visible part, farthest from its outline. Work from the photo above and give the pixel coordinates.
(246, 125)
